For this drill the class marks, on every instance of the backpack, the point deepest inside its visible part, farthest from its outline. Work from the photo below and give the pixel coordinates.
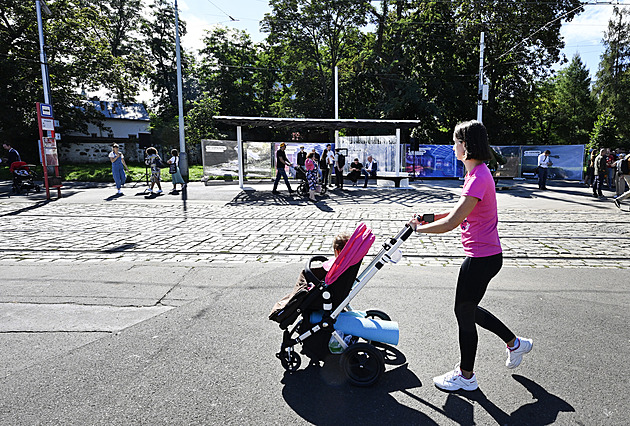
(622, 167)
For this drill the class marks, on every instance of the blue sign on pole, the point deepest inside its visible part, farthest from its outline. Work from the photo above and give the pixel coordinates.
(46, 110)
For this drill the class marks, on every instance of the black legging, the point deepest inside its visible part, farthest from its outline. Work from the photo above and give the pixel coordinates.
(474, 276)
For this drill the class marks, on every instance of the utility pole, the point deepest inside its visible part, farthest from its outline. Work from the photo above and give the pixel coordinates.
(481, 88)
(183, 159)
(39, 6)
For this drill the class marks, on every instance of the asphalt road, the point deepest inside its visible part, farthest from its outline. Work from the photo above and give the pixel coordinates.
(151, 311)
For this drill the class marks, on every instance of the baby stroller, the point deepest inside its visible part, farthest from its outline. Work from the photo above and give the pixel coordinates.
(317, 314)
(23, 178)
(302, 189)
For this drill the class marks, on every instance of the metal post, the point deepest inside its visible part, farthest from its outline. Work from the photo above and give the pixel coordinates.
(239, 147)
(336, 106)
(42, 53)
(480, 92)
(183, 159)
(398, 162)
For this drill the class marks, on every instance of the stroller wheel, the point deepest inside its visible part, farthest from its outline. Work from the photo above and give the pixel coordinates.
(375, 313)
(302, 189)
(290, 361)
(363, 364)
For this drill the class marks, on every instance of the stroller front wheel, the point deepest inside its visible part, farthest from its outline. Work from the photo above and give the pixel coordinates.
(290, 361)
(363, 364)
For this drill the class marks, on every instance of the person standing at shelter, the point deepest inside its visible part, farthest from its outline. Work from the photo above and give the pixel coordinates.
(340, 163)
(544, 162)
(177, 176)
(118, 167)
(323, 165)
(369, 170)
(624, 170)
(12, 154)
(600, 173)
(301, 157)
(476, 215)
(330, 161)
(281, 163)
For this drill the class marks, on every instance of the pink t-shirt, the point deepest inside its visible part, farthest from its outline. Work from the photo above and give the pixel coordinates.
(480, 237)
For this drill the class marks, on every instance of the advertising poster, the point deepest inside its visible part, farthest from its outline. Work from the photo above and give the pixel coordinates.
(50, 150)
(512, 155)
(567, 161)
(219, 157)
(433, 161)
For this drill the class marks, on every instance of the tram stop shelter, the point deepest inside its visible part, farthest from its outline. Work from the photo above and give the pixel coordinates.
(313, 123)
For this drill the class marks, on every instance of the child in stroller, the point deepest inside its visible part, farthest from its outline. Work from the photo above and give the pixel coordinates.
(23, 177)
(317, 314)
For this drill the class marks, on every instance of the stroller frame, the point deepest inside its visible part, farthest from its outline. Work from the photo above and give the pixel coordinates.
(362, 362)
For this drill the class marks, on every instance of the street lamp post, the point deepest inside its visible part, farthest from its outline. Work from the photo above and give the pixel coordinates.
(183, 159)
(39, 6)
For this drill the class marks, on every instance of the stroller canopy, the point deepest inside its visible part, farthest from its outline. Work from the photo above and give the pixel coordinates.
(355, 249)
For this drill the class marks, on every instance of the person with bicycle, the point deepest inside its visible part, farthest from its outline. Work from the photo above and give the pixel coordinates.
(476, 215)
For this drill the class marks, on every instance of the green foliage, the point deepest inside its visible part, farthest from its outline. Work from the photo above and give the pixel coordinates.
(613, 77)
(575, 105)
(604, 133)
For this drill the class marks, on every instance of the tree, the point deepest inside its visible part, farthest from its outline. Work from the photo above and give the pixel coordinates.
(228, 72)
(122, 21)
(310, 38)
(575, 105)
(605, 131)
(613, 76)
(77, 57)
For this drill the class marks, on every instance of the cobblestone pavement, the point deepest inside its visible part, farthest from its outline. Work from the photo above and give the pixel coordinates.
(560, 228)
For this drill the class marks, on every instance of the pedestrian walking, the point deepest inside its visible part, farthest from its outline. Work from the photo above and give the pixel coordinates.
(476, 215)
(176, 175)
(281, 163)
(624, 169)
(590, 169)
(153, 160)
(12, 154)
(600, 173)
(544, 162)
(118, 167)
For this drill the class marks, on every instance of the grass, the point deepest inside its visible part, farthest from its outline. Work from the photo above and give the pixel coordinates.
(103, 172)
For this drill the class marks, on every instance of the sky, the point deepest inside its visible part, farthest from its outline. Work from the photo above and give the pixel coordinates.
(583, 35)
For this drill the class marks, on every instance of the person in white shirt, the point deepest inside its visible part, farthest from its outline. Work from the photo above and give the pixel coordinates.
(330, 160)
(177, 176)
(544, 162)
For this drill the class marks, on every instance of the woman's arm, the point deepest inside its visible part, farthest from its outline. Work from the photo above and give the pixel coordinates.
(447, 221)
(124, 164)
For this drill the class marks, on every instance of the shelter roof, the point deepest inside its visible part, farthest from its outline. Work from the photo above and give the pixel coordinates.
(317, 123)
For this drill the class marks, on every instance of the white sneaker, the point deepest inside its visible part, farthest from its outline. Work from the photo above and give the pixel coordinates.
(159, 191)
(515, 355)
(119, 192)
(453, 380)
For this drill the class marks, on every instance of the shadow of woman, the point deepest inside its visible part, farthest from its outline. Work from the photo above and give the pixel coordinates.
(543, 411)
(322, 396)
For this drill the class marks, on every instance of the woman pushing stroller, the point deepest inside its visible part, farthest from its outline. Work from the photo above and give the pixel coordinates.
(476, 215)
